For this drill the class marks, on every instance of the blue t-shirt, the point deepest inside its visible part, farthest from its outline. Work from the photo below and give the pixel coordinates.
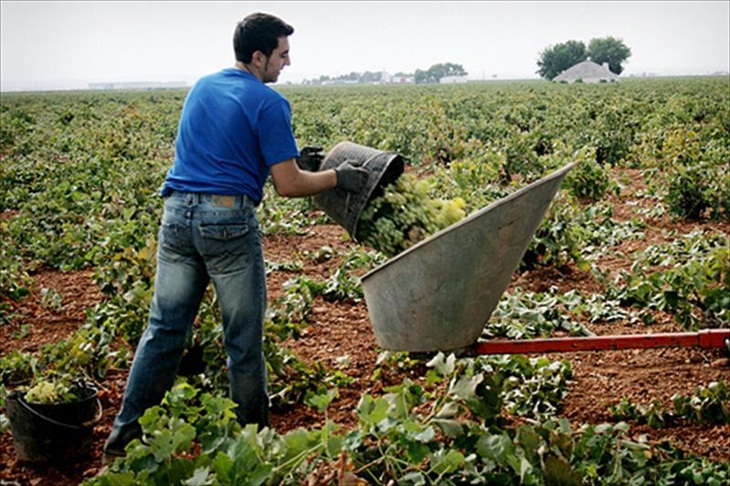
(233, 128)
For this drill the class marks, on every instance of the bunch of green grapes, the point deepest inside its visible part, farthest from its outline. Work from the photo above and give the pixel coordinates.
(405, 215)
(52, 392)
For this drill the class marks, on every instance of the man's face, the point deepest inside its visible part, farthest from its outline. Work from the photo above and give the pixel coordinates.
(276, 61)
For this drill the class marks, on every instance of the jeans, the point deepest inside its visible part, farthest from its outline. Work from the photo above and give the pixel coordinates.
(202, 238)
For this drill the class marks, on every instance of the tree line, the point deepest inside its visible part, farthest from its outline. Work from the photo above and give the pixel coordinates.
(434, 74)
(552, 61)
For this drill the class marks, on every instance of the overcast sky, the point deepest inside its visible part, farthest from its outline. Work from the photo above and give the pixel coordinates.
(60, 45)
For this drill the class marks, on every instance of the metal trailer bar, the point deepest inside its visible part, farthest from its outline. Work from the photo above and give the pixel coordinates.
(708, 338)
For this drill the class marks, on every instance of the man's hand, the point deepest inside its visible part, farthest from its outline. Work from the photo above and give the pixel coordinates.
(310, 158)
(350, 177)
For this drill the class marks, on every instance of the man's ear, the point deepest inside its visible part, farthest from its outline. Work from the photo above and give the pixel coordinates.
(258, 59)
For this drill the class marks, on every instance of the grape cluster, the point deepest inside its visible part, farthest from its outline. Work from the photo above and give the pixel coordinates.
(405, 215)
(53, 392)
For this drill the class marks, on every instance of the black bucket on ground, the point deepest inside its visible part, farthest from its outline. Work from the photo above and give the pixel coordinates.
(51, 433)
(345, 207)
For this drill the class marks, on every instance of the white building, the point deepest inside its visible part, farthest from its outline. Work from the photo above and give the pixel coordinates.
(403, 79)
(139, 85)
(452, 80)
(587, 72)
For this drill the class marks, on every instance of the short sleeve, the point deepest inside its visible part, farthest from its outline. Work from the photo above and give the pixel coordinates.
(276, 136)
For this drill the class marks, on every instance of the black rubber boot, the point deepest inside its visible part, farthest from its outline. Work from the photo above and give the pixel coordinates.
(118, 440)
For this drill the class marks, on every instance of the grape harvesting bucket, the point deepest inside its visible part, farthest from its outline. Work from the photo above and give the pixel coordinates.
(52, 432)
(439, 294)
(344, 207)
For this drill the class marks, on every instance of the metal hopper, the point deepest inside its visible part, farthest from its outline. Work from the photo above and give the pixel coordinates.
(439, 294)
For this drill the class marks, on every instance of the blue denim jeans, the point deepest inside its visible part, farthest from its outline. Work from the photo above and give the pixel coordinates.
(202, 238)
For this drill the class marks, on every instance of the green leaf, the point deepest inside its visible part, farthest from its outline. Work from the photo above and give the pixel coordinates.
(417, 452)
(199, 478)
(424, 435)
(298, 441)
(321, 401)
(223, 466)
(162, 445)
(449, 410)
(443, 364)
(261, 474)
(525, 468)
(416, 478)
(372, 411)
(115, 479)
(496, 447)
(530, 442)
(465, 387)
(450, 427)
(447, 462)
(558, 471)
(245, 447)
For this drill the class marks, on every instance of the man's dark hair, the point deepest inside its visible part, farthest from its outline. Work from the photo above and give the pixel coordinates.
(258, 32)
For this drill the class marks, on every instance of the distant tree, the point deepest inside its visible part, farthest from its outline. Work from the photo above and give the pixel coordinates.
(610, 50)
(421, 76)
(371, 77)
(556, 59)
(438, 71)
(432, 75)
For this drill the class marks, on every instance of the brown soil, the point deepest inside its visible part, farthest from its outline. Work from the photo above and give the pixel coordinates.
(340, 336)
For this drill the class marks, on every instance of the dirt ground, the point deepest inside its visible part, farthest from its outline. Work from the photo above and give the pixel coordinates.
(340, 336)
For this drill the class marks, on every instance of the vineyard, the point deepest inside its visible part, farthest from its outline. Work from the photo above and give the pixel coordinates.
(635, 242)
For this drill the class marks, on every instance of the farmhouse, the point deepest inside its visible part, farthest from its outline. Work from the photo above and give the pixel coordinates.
(587, 72)
(403, 80)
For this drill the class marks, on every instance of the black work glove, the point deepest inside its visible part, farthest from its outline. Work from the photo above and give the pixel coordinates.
(351, 177)
(310, 158)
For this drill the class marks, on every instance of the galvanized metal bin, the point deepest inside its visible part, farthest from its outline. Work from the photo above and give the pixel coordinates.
(439, 294)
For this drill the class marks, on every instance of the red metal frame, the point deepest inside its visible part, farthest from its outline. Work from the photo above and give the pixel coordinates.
(708, 338)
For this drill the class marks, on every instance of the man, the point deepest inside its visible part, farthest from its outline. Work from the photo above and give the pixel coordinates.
(234, 130)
